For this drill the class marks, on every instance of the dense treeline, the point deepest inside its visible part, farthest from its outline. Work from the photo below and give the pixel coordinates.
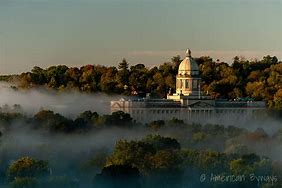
(258, 79)
(56, 123)
(156, 161)
(163, 163)
(261, 80)
(152, 162)
(9, 78)
(175, 160)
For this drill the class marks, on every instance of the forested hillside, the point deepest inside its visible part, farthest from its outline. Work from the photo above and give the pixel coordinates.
(257, 79)
(92, 150)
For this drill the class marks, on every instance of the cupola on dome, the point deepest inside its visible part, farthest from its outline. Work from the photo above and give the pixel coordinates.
(188, 66)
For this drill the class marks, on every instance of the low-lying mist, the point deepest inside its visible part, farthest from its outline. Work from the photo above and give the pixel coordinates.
(69, 103)
(60, 148)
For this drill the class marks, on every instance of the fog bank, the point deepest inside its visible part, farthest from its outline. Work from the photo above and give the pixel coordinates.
(69, 103)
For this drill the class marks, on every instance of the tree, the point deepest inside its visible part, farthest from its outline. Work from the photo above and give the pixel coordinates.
(108, 81)
(56, 76)
(165, 159)
(53, 122)
(123, 74)
(176, 122)
(199, 137)
(123, 65)
(176, 59)
(238, 166)
(251, 164)
(132, 153)
(38, 75)
(162, 143)
(258, 79)
(119, 118)
(89, 117)
(141, 154)
(278, 99)
(237, 149)
(138, 78)
(87, 79)
(25, 81)
(27, 167)
(156, 125)
(255, 90)
(115, 176)
(159, 82)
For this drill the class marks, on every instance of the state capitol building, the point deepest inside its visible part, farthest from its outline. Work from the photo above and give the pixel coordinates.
(188, 104)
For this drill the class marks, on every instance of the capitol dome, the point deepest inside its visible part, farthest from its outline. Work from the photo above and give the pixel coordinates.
(188, 66)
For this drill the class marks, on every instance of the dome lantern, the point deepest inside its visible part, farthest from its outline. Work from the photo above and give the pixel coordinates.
(188, 53)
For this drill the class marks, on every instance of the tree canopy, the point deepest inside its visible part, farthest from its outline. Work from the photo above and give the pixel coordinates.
(258, 79)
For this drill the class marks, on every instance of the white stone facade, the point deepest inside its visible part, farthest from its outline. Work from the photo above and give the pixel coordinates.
(147, 110)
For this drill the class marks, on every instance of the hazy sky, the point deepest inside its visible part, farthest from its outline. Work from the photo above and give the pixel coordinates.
(78, 32)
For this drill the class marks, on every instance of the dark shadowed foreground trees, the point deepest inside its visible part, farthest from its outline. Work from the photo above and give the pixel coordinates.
(168, 166)
(176, 157)
(115, 176)
(175, 160)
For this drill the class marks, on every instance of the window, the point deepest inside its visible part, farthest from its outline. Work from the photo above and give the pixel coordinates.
(187, 84)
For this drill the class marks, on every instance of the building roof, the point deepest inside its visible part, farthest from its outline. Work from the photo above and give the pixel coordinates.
(188, 66)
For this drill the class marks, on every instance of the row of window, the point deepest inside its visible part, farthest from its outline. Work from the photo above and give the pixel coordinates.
(240, 111)
(231, 111)
(155, 111)
(169, 111)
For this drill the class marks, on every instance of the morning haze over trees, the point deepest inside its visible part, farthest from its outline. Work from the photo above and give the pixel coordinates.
(153, 160)
(257, 79)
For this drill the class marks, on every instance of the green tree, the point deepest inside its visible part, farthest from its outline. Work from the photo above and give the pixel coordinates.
(123, 65)
(27, 167)
(162, 143)
(133, 153)
(123, 75)
(156, 125)
(119, 118)
(165, 159)
(108, 81)
(114, 176)
(38, 75)
(53, 122)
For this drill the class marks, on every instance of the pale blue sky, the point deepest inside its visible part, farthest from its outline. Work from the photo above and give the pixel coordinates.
(78, 32)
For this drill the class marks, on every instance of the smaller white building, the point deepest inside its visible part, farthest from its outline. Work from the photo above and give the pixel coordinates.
(188, 104)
